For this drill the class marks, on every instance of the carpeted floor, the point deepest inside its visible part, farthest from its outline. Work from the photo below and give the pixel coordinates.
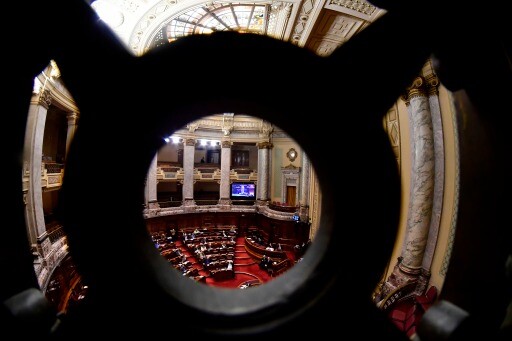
(247, 271)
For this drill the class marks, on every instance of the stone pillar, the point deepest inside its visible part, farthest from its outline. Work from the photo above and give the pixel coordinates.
(409, 266)
(263, 172)
(32, 160)
(225, 169)
(432, 85)
(422, 179)
(189, 148)
(151, 200)
(72, 118)
(304, 188)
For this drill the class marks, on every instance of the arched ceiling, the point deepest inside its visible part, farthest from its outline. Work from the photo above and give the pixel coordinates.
(319, 25)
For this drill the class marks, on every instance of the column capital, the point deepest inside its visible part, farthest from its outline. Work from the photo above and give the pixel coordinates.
(226, 144)
(190, 142)
(265, 145)
(416, 89)
(432, 84)
(44, 99)
(72, 117)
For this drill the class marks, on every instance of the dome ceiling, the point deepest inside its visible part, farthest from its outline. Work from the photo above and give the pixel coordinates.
(319, 25)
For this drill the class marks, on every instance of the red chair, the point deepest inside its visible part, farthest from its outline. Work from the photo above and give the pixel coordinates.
(404, 317)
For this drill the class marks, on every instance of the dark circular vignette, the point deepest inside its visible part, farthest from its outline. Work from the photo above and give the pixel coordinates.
(148, 281)
(129, 291)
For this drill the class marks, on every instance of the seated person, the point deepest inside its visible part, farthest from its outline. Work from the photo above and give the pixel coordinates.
(270, 265)
(230, 265)
(196, 231)
(232, 229)
(263, 263)
(269, 247)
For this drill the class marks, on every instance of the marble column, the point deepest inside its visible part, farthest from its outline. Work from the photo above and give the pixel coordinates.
(151, 200)
(422, 180)
(432, 84)
(225, 168)
(304, 188)
(72, 119)
(189, 149)
(32, 161)
(263, 172)
(409, 266)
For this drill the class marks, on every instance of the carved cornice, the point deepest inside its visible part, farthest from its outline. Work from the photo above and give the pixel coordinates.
(356, 5)
(192, 127)
(290, 168)
(265, 145)
(228, 123)
(266, 129)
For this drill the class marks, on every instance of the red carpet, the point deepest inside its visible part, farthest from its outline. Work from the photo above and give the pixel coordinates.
(247, 271)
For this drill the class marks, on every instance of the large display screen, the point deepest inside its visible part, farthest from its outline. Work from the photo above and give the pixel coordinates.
(243, 191)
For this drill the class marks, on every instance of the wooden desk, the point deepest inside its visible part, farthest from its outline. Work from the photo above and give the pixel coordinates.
(258, 251)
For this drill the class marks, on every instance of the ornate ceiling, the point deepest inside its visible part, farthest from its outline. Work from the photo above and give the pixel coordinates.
(319, 25)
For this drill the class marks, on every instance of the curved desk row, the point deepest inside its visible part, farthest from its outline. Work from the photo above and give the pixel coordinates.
(257, 251)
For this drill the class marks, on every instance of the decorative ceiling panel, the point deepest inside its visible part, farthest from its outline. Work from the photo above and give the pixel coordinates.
(332, 30)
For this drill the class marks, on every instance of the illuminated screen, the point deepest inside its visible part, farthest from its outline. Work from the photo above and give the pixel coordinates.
(243, 190)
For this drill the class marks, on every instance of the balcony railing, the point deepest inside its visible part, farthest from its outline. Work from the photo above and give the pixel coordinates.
(165, 204)
(206, 172)
(282, 207)
(55, 233)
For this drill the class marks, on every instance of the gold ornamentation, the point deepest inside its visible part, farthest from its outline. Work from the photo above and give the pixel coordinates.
(265, 145)
(417, 88)
(432, 84)
(45, 98)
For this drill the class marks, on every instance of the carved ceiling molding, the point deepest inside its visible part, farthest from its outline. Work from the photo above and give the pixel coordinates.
(153, 20)
(293, 20)
(359, 8)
